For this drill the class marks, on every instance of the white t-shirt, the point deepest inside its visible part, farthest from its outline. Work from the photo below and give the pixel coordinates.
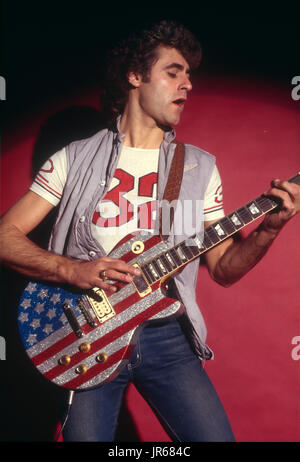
(130, 202)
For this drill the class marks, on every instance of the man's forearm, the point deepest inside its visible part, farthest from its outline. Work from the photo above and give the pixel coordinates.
(21, 254)
(242, 256)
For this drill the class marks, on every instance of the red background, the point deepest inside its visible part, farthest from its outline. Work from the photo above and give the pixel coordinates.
(252, 126)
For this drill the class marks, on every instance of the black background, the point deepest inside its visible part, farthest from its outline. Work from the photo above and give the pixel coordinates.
(51, 49)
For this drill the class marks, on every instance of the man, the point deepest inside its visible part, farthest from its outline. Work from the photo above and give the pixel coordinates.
(98, 179)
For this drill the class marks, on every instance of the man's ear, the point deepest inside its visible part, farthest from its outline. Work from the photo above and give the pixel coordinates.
(134, 79)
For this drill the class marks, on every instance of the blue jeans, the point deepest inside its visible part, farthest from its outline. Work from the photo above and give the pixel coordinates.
(170, 377)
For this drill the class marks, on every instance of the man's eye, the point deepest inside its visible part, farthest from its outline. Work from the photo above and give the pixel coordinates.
(171, 74)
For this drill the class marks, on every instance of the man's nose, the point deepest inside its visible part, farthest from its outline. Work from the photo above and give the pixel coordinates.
(186, 84)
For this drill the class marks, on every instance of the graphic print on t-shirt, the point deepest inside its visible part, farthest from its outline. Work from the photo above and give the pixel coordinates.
(50, 180)
(215, 202)
(116, 210)
(41, 179)
(130, 203)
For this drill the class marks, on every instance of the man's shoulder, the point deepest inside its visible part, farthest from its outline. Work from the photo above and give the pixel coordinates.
(94, 140)
(195, 153)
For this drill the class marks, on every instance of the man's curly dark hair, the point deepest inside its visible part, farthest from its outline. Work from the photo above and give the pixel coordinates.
(137, 53)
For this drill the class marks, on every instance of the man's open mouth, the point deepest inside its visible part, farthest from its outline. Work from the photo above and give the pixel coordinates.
(179, 102)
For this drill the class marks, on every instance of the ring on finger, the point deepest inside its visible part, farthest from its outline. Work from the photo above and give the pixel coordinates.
(103, 275)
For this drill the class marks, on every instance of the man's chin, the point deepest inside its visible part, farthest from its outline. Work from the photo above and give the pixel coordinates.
(166, 126)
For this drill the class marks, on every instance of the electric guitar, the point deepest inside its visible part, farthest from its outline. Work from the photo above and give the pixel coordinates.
(82, 339)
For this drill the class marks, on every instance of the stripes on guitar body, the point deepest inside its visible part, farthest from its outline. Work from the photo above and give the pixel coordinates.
(104, 349)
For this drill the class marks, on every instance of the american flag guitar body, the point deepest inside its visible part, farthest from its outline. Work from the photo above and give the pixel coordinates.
(80, 340)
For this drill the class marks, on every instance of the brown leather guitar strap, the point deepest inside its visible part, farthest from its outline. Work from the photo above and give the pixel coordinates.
(173, 185)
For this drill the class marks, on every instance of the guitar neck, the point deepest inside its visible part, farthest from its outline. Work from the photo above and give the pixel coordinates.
(170, 261)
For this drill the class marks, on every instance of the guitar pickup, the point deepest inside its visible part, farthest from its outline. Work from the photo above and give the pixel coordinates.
(141, 284)
(99, 303)
(71, 317)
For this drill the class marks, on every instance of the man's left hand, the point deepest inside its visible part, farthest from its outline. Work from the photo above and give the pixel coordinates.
(289, 195)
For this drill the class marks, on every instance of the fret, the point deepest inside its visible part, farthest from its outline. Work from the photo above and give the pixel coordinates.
(192, 246)
(254, 209)
(170, 260)
(181, 254)
(157, 268)
(166, 263)
(187, 251)
(245, 215)
(175, 257)
(206, 241)
(201, 246)
(161, 265)
(194, 249)
(212, 234)
(219, 230)
(153, 271)
(235, 220)
(227, 225)
(148, 273)
(265, 203)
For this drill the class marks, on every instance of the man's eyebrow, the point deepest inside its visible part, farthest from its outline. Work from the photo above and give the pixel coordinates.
(177, 66)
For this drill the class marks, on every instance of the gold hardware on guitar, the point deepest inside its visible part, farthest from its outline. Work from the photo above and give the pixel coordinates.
(84, 347)
(81, 369)
(100, 304)
(101, 358)
(64, 360)
(137, 247)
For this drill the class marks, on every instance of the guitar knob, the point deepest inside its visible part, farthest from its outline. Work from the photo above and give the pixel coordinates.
(101, 358)
(81, 369)
(64, 360)
(84, 347)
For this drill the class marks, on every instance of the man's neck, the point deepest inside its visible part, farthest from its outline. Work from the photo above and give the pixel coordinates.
(140, 133)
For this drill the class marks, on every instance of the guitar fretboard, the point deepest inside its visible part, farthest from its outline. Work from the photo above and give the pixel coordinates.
(171, 260)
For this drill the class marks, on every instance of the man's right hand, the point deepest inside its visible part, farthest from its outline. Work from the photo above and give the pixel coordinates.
(89, 274)
(21, 254)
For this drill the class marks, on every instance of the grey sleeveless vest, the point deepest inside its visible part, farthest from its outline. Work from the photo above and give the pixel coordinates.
(91, 165)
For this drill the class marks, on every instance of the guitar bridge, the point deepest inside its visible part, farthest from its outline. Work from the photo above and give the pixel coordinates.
(86, 311)
(99, 303)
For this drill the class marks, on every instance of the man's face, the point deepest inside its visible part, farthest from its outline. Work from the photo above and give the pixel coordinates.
(162, 97)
